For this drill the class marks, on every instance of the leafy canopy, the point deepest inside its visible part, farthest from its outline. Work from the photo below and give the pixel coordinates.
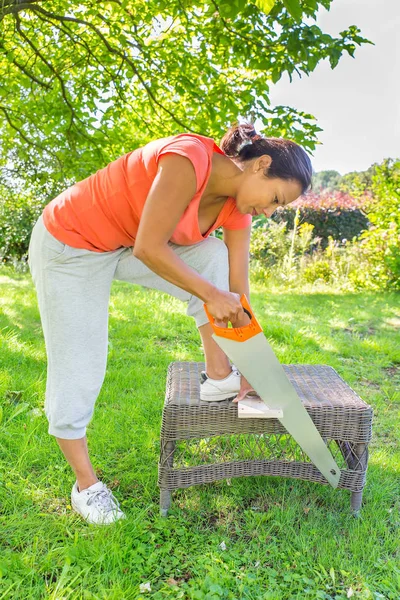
(82, 83)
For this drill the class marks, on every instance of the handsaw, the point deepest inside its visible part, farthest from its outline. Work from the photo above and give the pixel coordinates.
(248, 348)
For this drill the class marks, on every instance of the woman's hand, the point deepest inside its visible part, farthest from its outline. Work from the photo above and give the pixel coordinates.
(245, 388)
(225, 307)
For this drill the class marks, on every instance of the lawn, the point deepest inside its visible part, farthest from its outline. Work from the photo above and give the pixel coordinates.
(256, 538)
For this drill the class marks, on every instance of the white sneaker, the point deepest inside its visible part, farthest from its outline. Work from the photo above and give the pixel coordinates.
(214, 390)
(96, 504)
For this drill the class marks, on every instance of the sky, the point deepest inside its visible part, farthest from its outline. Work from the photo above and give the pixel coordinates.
(357, 104)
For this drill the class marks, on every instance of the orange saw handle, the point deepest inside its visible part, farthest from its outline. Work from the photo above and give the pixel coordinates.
(238, 334)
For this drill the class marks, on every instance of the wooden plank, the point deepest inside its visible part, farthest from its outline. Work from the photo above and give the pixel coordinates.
(252, 407)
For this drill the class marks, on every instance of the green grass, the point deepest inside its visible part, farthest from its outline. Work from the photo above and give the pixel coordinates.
(285, 539)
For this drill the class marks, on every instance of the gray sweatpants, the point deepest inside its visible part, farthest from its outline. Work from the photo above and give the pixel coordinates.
(73, 288)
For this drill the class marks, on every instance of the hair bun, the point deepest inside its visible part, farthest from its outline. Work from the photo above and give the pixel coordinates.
(238, 136)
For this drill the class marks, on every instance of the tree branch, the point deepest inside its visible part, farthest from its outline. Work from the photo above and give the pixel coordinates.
(18, 130)
(117, 52)
(31, 75)
(49, 66)
(76, 39)
(13, 6)
(57, 75)
(248, 40)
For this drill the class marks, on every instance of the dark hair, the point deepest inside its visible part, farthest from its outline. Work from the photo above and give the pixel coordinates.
(289, 160)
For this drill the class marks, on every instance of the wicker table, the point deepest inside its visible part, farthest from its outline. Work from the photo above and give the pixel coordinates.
(202, 442)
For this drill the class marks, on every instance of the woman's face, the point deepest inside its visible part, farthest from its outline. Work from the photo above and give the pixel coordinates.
(258, 194)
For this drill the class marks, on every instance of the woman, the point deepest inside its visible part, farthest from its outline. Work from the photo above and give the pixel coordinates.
(146, 218)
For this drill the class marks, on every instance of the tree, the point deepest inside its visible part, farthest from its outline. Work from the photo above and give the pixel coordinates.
(326, 180)
(357, 183)
(82, 83)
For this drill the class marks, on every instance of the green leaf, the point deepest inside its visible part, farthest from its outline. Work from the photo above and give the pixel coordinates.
(276, 75)
(265, 5)
(294, 8)
(20, 409)
(312, 62)
(332, 574)
(334, 57)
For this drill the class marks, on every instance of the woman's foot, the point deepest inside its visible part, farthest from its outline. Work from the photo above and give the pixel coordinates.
(214, 390)
(96, 504)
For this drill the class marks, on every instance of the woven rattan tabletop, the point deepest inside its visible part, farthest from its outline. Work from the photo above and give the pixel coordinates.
(316, 385)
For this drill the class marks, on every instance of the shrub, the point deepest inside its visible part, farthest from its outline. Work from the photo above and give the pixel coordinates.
(380, 245)
(286, 249)
(334, 214)
(277, 252)
(18, 214)
(318, 270)
(269, 242)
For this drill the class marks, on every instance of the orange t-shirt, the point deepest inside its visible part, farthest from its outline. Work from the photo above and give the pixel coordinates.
(102, 212)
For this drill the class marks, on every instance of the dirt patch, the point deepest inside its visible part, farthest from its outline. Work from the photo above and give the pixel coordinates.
(395, 322)
(392, 371)
(369, 383)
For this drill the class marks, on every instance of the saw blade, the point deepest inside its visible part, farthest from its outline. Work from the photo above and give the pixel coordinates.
(248, 348)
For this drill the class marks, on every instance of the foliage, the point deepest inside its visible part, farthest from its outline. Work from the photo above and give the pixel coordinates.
(313, 240)
(17, 216)
(328, 199)
(98, 80)
(325, 180)
(275, 250)
(369, 261)
(334, 214)
(357, 183)
(269, 242)
(318, 270)
(265, 5)
(379, 246)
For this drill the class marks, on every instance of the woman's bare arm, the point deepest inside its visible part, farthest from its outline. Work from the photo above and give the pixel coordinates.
(173, 188)
(238, 244)
(171, 192)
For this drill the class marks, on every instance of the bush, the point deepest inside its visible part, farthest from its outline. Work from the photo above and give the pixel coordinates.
(277, 252)
(18, 214)
(318, 270)
(285, 249)
(269, 242)
(334, 214)
(272, 241)
(380, 245)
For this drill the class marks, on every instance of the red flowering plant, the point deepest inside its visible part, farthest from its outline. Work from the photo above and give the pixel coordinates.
(333, 213)
(330, 200)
